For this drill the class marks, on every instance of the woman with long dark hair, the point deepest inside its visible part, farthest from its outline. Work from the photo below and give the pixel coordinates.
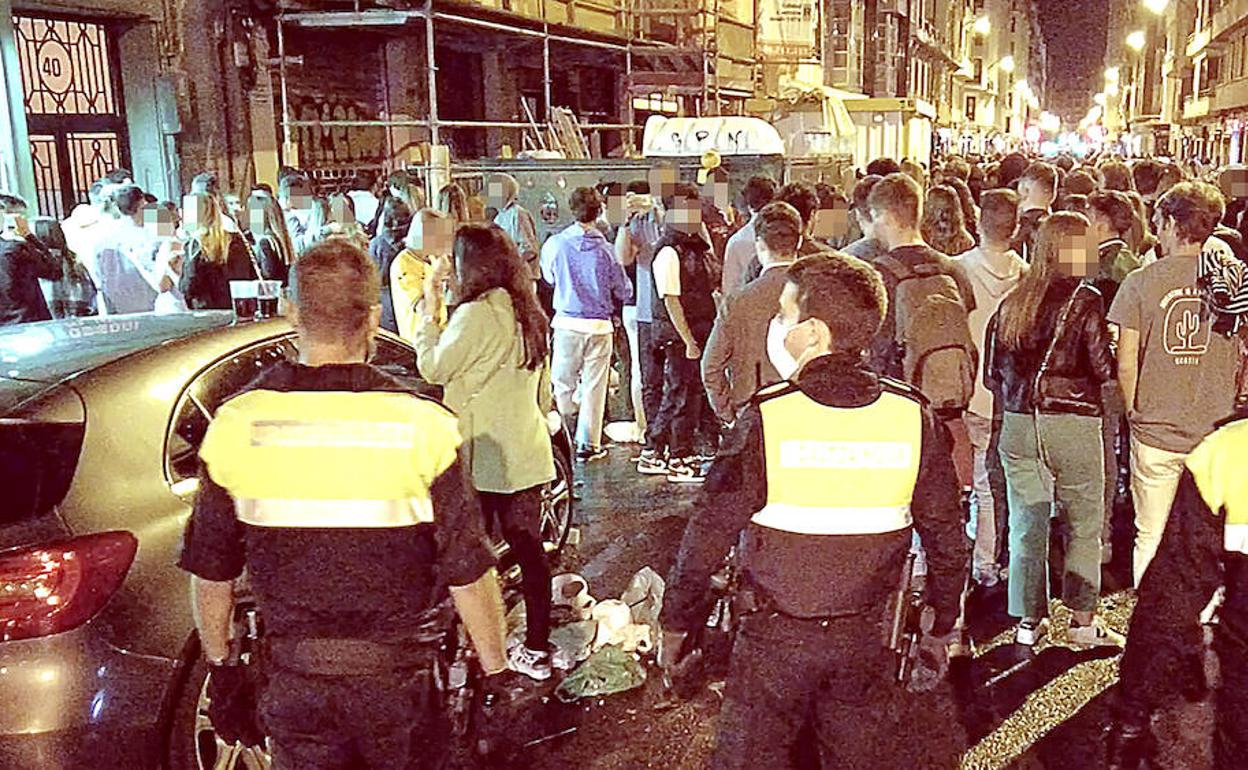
(275, 252)
(492, 359)
(1048, 356)
(214, 256)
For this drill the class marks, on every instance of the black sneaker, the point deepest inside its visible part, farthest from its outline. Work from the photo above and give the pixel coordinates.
(590, 455)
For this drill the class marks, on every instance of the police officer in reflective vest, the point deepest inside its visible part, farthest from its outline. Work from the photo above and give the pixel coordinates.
(1205, 546)
(344, 498)
(826, 474)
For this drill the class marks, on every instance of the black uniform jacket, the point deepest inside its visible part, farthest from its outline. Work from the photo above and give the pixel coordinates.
(843, 575)
(1162, 659)
(340, 583)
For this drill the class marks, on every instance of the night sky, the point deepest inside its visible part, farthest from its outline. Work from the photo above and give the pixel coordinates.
(1075, 31)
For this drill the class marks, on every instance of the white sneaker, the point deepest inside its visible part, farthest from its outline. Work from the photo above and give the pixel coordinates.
(1095, 634)
(685, 471)
(534, 664)
(1028, 632)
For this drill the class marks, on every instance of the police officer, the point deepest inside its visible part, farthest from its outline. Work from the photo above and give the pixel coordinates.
(345, 499)
(1205, 546)
(826, 474)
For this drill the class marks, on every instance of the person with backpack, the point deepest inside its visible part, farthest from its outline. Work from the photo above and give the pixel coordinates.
(1049, 354)
(926, 336)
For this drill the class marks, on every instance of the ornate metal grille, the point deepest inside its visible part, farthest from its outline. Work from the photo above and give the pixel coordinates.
(91, 156)
(47, 176)
(65, 67)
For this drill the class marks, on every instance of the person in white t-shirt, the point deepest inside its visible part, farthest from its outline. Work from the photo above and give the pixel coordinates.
(994, 269)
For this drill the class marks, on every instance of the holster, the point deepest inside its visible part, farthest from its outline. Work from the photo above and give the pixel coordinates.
(346, 657)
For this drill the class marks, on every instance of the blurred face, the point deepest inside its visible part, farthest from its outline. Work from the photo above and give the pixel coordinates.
(617, 211)
(255, 217)
(433, 236)
(1078, 255)
(662, 179)
(196, 212)
(159, 222)
(686, 216)
(340, 211)
(1234, 183)
(499, 193)
(717, 191)
(831, 224)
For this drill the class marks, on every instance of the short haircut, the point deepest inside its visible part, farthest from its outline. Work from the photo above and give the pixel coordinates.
(1042, 174)
(845, 293)
(1146, 174)
(1115, 207)
(1116, 176)
(862, 191)
(957, 167)
(207, 183)
(1079, 183)
(119, 176)
(1012, 167)
(998, 214)
(127, 198)
(758, 192)
(1065, 163)
(335, 287)
(586, 204)
(899, 195)
(638, 187)
(13, 204)
(883, 167)
(1196, 208)
(1076, 203)
(294, 184)
(780, 227)
(801, 196)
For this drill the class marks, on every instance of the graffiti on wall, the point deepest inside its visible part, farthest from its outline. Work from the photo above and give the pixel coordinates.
(337, 146)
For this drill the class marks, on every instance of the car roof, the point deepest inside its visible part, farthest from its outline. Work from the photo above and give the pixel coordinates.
(36, 355)
(52, 351)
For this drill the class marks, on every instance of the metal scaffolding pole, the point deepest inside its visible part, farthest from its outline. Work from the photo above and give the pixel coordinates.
(546, 67)
(287, 140)
(434, 134)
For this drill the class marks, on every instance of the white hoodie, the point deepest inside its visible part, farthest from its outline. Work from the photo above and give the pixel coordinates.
(991, 289)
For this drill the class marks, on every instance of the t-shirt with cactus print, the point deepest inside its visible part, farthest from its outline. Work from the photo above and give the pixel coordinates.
(1187, 369)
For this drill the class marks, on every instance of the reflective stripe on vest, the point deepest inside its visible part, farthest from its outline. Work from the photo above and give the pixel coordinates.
(833, 471)
(330, 459)
(330, 514)
(1218, 466)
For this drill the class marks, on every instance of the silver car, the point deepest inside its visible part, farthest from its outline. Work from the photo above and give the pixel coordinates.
(100, 424)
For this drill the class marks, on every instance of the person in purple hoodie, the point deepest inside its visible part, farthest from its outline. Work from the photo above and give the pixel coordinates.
(589, 289)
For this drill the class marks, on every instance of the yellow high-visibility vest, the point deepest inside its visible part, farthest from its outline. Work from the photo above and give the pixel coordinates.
(835, 471)
(1219, 467)
(329, 458)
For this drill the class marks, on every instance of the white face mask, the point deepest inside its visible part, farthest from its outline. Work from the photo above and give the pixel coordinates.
(780, 356)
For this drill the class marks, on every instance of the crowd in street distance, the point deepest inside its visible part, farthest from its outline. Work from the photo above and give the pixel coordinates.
(1073, 326)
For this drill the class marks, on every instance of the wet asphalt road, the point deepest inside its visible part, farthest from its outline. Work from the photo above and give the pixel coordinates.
(1004, 707)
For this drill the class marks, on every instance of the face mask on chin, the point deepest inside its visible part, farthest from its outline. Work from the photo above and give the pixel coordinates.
(784, 361)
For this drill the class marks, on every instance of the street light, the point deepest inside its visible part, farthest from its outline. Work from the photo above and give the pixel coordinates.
(1137, 40)
(1007, 63)
(1156, 6)
(982, 26)
(1111, 74)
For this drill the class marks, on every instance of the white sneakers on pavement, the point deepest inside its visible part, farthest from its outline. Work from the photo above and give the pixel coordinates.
(534, 664)
(1095, 634)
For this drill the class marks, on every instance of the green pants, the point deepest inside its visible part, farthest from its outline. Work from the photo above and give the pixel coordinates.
(1066, 450)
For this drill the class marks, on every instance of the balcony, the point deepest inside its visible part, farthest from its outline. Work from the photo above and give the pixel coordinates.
(1230, 15)
(1195, 109)
(1197, 42)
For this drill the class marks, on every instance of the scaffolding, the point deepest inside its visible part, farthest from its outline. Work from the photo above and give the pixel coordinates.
(648, 27)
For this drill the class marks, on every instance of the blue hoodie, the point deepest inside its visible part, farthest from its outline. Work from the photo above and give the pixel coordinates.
(588, 282)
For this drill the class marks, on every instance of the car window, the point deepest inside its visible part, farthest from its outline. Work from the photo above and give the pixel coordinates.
(399, 361)
(200, 401)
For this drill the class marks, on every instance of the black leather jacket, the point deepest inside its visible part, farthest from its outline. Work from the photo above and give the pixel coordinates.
(1063, 361)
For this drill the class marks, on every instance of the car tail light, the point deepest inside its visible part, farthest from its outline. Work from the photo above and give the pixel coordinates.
(52, 588)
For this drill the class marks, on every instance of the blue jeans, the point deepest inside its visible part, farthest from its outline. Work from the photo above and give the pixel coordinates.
(1067, 449)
